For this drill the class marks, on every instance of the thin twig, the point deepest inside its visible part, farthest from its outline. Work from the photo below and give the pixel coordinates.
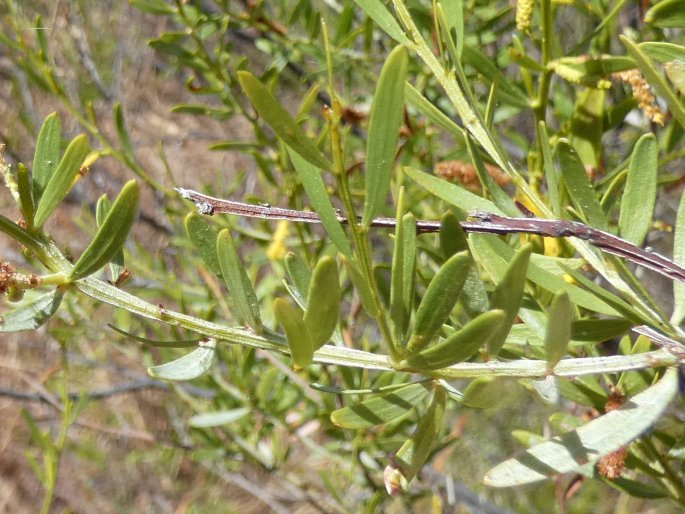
(479, 221)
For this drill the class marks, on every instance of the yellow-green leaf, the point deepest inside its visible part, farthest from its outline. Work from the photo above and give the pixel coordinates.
(439, 300)
(380, 409)
(296, 333)
(190, 366)
(639, 197)
(111, 235)
(592, 441)
(62, 179)
(384, 125)
(484, 392)
(459, 346)
(203, 236)
(32, 314)
(323, 302)
(508, 295)
(280, 121)
(415, 451)
(558, 333)
(46, 157)
(237, 281)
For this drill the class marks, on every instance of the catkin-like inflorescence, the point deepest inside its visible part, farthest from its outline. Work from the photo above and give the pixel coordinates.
(643, 94)
(524, 13)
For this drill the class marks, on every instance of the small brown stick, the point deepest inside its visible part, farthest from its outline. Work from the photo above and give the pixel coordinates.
(479, 221)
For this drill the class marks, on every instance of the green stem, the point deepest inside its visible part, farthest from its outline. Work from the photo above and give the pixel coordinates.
(343, 356)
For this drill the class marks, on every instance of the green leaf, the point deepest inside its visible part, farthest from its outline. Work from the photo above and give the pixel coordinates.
(403, 275)
(316, 191)
(18, 234)
(323, 302)
(362, 286)
(61, 180)
(121, 129)
(380, 409)
(451, 193)
(378, 13)
(26, 203)
(484, 393)
(269, 108)
(667, 13)
(110, 238)
(384, 125)
(552, 175)
(102, 209)
(218, 418)
(508, 295)
(430, 111)
(655, 79)
(237, 281)
(296, 333)
(439, 300)
(158, 7)
(675, 70)
(663, 52)
(598, 330)
(637, 489)
(190, 366)
(454, 22)
(558, 333)
(459, 346)
(183, 343)
(619, 305)
(452, 236)
(499, 195)
(578, 185)
(46, 157)
(416, 450)
(299, 273)
(491, 253)
(587, 444)
(203, 236)
(32, 314)
(679, 258)
(639, 197)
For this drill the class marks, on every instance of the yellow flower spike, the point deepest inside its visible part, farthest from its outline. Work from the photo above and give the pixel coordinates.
(277, 248)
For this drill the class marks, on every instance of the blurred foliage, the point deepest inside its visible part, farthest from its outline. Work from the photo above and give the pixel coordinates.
(373, 371)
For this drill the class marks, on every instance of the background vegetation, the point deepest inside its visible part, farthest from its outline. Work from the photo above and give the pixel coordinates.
(553, 105)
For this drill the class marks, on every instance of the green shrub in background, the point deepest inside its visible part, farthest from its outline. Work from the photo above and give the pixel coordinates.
(390, 332)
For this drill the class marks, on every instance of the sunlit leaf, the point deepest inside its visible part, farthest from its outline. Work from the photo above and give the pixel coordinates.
(323, 302)
(558, 333)
(666, 13)
(590, 442)
(578, 186)
(203, 236)
(508, 295)
(384, 126)
(639, 197)
(190, 366)
(31, 314)
(218, 418)
(285, 127)
(111, 235)
(439, 300)
(237, 281)
(378, 13)
(413, 454)
(61, 179)
(403, 274)
(46, 157)
(381, 409)
(296, 333)
(459, 346)
(316, 191)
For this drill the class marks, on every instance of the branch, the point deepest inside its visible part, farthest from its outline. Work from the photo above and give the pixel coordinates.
(479, 222)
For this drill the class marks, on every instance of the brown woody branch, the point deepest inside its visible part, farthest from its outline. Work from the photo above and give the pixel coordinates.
(479, 221)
